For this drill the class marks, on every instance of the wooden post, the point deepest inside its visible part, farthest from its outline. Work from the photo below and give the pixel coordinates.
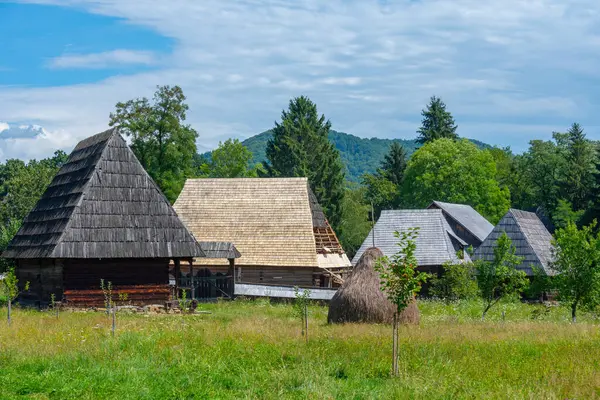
(9, 309)
(395, 345)
(193, 291)
(306, 322)
(177, 276)
(114, 319)
(231, 275)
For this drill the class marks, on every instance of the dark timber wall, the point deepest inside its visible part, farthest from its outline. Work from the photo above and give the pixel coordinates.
(77, 281)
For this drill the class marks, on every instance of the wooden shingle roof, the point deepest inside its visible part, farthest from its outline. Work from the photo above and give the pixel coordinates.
(530, 237)
(466, 216)
(271, 221)
(103, 204)
(436, 242)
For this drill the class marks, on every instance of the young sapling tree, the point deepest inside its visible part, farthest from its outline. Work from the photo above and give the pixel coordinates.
(400, 280)
(301, 308)
(9, 287)
(500, 278)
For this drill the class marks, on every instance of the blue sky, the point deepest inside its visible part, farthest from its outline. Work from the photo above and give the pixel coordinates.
(509, 70)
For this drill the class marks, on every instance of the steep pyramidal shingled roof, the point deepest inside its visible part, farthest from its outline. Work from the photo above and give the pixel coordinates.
(466, 215)
(273, 222)
(103, 204)
(436, 242)
(529, 236)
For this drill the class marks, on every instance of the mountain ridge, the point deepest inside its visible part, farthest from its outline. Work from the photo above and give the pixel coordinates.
(359, 155)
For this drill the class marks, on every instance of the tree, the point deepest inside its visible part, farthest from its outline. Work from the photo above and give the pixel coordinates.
(383, 187)
(380, 192)
(576, 258)
(544, 164)
(231, 160)
(500, 278)
(164, 145)
(9, 287)
(300, 147)
(457, 282)
(22, 185)
(564, 214)
(437, 123)
(394, 164)
(7, 232)
(456, 172)
(580, 167)
(400, 280)
(354, 226)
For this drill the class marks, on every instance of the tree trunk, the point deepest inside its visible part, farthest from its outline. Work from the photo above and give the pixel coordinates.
(9, 310)
(395, 345)
(574, 312)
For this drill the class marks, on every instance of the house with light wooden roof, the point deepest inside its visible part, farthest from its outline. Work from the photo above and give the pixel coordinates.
(276, 224)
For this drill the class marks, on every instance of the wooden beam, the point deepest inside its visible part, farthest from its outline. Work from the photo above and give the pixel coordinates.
(231, 275)
(193, 291)
(177, 272)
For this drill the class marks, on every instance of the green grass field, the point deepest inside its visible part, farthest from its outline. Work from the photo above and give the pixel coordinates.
(254, 350)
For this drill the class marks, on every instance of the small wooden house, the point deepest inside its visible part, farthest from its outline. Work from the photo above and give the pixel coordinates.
(276, 224)
(466, 223)
(102, 217)
(436, 241)
(529, 236)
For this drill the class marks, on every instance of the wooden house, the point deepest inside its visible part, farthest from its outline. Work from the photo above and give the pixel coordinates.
(436, 241)
(529, 236)
(102, 217)
(276, 224)
(466, 223)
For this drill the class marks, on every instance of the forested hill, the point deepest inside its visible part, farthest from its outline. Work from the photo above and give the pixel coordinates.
(359, 155)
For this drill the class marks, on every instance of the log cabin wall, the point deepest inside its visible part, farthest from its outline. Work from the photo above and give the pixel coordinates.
(45, 277)
(275, 275)
(145, 281)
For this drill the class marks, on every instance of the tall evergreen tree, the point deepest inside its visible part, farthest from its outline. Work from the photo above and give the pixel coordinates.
(300, 147)
(383, 187)
(437, 123)
(580, 167)
(394, 163)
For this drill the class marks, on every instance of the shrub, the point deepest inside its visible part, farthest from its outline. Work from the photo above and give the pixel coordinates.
(458, 282)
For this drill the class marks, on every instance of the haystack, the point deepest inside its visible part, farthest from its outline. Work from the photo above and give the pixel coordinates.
(360, 298)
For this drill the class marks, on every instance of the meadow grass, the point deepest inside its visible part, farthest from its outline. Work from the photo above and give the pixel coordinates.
(253, 350)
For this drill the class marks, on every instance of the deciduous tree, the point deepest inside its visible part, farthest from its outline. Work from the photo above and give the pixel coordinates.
(576, 262)
(456, 172)
(160, 139)
(231, 160)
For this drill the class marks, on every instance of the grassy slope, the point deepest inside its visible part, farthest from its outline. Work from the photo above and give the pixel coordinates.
(253, 350)
(358, 154)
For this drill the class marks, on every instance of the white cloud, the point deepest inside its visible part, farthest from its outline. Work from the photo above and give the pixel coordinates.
(4, 126)
(515, 66)
(106, 59)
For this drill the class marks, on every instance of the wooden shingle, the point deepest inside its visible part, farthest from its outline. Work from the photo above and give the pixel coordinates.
(102, 204)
